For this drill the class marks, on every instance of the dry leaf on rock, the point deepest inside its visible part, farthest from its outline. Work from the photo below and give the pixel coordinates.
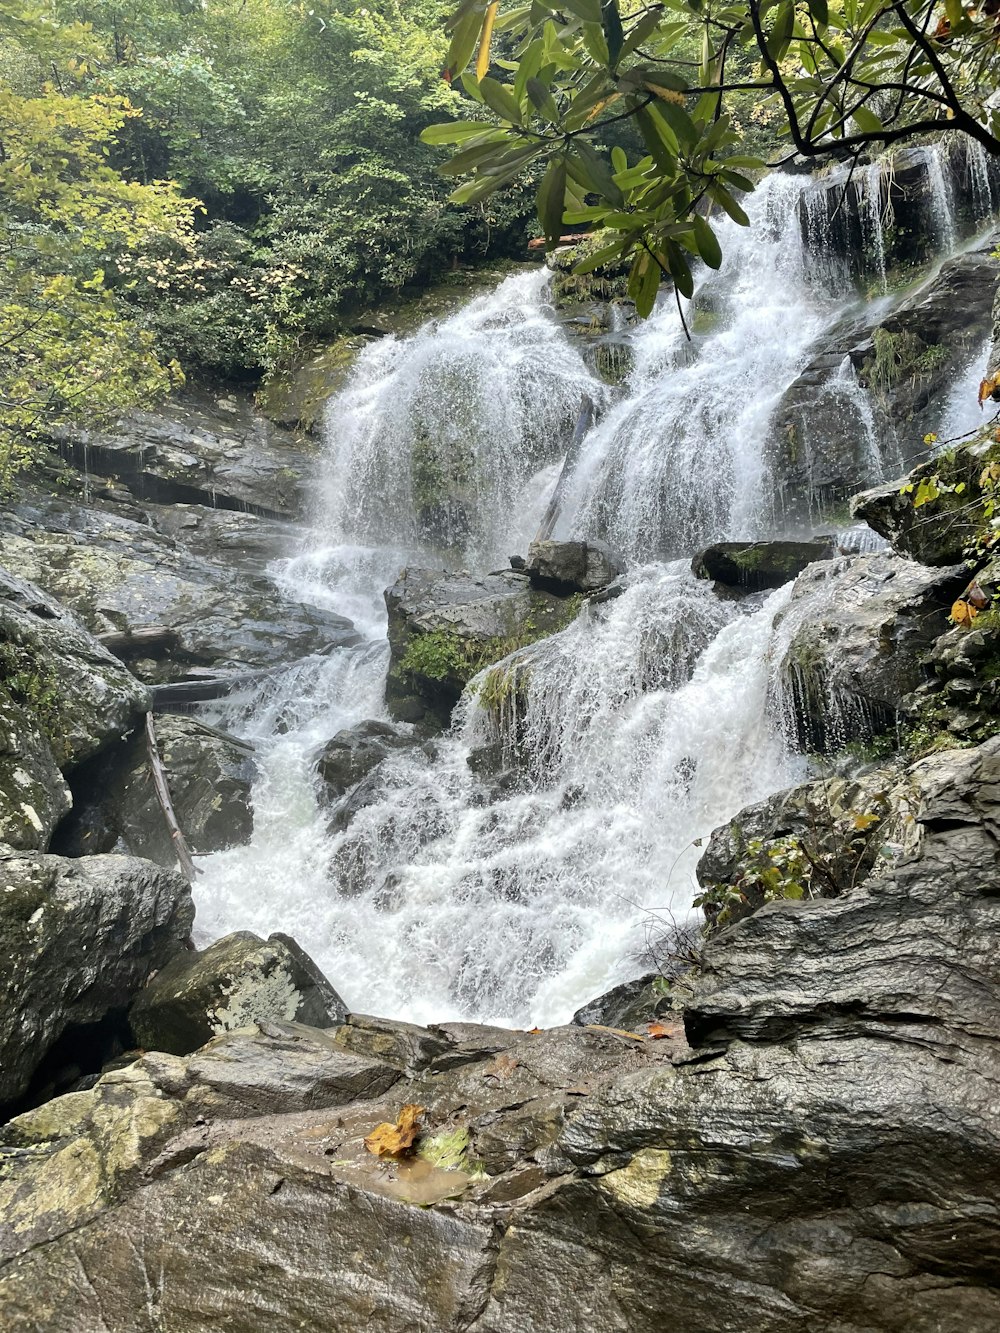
(389, 1140)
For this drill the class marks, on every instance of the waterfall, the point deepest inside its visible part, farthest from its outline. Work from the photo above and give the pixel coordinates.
(509, 869)
(942, 198)
(872, 218)
(979, 180)
(961, 414)
(436, 440)
(646, 724)
(682, 459)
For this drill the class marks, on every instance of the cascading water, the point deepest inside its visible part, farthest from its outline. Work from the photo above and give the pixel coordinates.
(684, 459)
(624, 739)
(873, 220)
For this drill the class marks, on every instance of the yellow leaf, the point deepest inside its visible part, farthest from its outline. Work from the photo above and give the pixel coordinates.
(863, 822)
(483, 58)
(962, 613)
(389, 1140)
(665, 94)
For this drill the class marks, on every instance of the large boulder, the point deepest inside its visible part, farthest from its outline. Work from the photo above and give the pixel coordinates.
(354, 752)
(852, 640)
(745, 567)
(209, 774)
(62, 698)
(78, 939)
(237, 981)
(572, 566)
(444, 628)
(78, 693)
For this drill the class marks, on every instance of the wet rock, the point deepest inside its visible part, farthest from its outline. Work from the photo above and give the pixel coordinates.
(79, 938)
(201, 448)
(33, 794)
(122, 576)
(937, 966)
(857, 629)
(629, 1005)
(878, 390)
(354, 752)
(75, 694)
(237, 981)
(210, 776)
(942, 530)
(568, 567)
(821, 837)
(912, 358)
(747, 567)
(444, 628)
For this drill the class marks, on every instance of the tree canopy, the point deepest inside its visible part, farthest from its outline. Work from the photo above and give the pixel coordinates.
(68, 222)
(835, 78)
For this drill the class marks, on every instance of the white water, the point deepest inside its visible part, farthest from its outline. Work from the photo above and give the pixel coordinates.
(682, 460)
(638, 729)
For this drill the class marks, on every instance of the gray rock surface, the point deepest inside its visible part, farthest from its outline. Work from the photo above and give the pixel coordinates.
(237, 981)
(78, 939)
(853, 637)
(353, 753)
(444, 628)
(941, 531)
(204, 448)
(210, 776)
(80, 695)
(745, 567)
(572, 566)
(120, 575)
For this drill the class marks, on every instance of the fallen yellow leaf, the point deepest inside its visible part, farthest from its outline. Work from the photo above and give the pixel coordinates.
(389, 1140)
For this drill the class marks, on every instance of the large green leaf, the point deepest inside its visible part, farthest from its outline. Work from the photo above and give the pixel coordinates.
(551, 200)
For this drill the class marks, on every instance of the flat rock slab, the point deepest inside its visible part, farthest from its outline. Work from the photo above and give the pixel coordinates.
(120, 576)
(205, 449)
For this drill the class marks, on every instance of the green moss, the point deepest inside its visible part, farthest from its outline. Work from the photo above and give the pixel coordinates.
(34, 686)
(899, 357)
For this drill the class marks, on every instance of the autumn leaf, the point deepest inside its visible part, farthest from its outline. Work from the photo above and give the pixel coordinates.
(962, 613)
(389, 1140)
(862, 822)
(989, 388)
(658, 1030)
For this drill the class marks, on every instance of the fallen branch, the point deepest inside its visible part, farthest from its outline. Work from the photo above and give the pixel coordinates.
(181, 850)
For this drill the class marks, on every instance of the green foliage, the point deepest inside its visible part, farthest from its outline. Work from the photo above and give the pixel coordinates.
(69, 351)
(298, 127)
(698, 83)
(898, 357)
(825, 861)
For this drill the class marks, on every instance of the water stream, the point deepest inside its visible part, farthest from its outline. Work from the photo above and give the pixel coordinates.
(645, 724)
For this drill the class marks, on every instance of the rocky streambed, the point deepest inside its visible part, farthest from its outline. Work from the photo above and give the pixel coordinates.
(797, 1132)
